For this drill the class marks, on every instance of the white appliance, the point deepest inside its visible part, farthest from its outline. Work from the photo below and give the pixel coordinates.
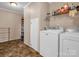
(69, 44)
(34, 34)
(49, 42)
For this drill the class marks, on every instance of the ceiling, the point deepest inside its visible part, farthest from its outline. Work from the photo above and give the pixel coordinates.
(20, 5)
(18, 8)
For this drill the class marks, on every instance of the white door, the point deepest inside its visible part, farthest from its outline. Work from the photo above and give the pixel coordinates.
(70, 48)
(34, 33)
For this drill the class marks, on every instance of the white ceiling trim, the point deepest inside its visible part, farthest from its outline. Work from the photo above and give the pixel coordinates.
(27, 4)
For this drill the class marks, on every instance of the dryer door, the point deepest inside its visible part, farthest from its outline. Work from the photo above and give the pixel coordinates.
(70, 48)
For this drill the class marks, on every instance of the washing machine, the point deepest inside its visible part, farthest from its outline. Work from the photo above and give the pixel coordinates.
(69, 44)
(49, 42)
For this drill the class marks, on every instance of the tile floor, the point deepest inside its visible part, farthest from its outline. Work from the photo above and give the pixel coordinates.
(17, 48)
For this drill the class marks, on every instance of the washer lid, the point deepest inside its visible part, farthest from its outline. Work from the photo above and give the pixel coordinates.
(76, 34)
(53, 31)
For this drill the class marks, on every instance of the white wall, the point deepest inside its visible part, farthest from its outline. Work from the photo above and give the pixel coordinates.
(11, 20)
(34, 10)
(63, 20)
(39, 10)
(30, 12)
(27, 25)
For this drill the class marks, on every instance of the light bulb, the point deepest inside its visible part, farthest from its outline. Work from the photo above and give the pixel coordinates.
(13, 4)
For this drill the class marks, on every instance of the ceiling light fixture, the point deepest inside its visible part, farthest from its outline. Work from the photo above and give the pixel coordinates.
(13, 3)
